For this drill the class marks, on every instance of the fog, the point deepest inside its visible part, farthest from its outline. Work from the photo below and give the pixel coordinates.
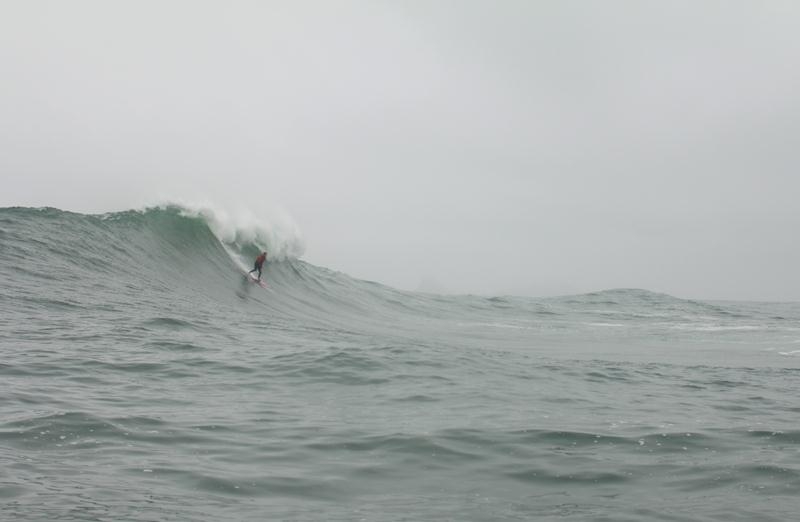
(514, 147)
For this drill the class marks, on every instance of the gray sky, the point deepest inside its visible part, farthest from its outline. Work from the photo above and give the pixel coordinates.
(507, 146)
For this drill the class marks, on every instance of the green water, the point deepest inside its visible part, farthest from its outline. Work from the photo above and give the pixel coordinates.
(142, 378)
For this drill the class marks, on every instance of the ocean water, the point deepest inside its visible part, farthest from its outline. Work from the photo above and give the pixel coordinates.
(143, 378)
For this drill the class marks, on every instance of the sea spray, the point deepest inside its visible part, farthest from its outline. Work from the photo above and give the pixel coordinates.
(245, 230)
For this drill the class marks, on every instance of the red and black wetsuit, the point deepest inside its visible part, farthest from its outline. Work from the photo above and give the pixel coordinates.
(259, 263)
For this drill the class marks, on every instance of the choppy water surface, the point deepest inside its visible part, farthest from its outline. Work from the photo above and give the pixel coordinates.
(142, 378)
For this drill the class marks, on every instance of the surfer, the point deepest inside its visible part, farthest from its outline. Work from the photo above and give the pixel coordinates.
(259, 263)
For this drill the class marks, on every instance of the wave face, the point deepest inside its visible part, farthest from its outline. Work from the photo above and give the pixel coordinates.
(143, 378)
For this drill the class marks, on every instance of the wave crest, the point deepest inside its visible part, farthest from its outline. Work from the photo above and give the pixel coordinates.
(245, 232)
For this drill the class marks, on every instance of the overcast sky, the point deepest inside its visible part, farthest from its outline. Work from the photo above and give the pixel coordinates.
(520, 147)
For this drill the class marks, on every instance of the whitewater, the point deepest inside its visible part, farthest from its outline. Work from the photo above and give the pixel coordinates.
(144, 378)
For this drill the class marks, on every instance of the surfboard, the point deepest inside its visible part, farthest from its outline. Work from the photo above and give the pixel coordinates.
(254, 279)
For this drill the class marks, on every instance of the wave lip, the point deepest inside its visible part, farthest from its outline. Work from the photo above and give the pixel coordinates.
(246, 232)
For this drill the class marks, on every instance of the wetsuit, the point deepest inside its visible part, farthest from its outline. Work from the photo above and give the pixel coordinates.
(259, 263)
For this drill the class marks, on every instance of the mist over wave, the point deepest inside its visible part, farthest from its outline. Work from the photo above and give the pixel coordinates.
(244, 230)
(146, 378)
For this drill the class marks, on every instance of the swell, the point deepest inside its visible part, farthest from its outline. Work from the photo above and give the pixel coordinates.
(176, 262)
